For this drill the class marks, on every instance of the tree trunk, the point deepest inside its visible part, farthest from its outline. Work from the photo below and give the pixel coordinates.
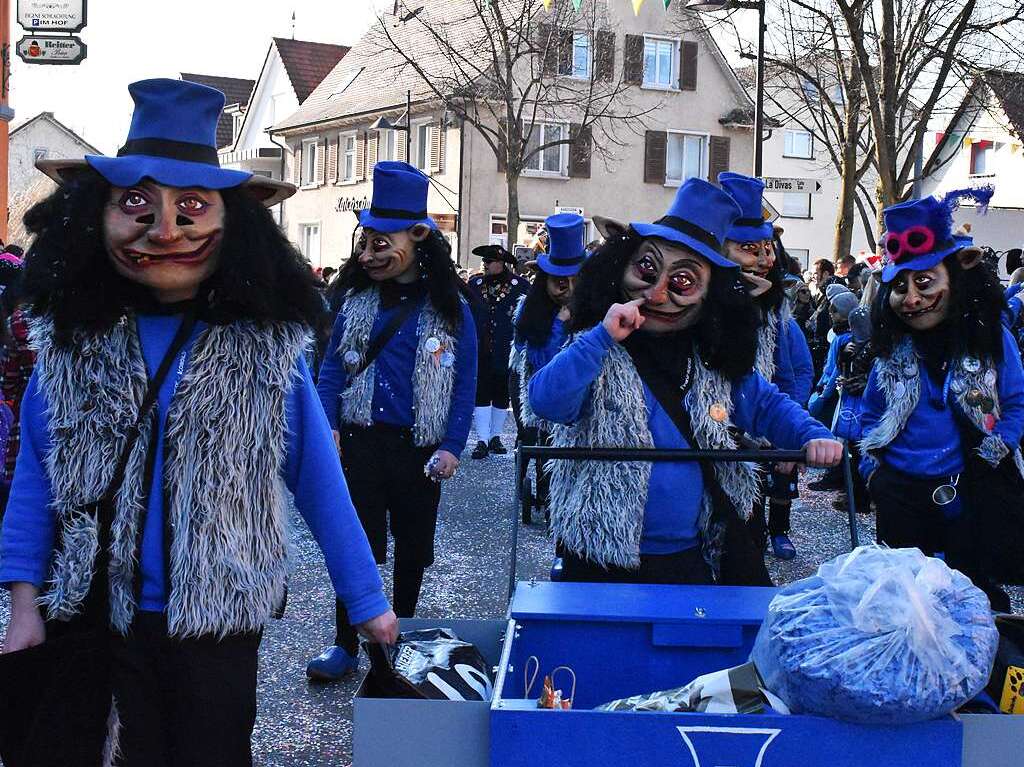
(843, 242)
(512, 207)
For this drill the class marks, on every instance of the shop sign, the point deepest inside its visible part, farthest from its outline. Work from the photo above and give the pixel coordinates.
(51, 49)
(52, 15)
(351, 204)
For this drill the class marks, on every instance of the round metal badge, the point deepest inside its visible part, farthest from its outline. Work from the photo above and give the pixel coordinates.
(432, 345)
(351, 357)
(447, 359)
(899, 390)
(718, 412)
(971, 365)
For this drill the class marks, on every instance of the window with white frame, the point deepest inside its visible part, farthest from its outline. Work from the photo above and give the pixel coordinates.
(802, 256)
(309, 242)
(308, 173)
(578, 65)
(661, 63)
(347, 171)
(981, 158)
(387, 148)
(421, 146)
(553, 160)
(799, 143)
(796, 205)
(686, 157)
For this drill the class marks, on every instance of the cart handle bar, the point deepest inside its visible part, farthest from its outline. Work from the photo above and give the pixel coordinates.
(660, 454)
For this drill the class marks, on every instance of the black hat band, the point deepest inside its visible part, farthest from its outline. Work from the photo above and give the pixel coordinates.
(571, 261)
(698, 233)
(397, 213)
(749, 222)
(172, 150)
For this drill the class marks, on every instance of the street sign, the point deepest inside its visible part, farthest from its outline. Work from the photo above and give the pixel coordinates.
(51, 49)
(768, 211)
(568, 209)
(52, 15)
(803, 185)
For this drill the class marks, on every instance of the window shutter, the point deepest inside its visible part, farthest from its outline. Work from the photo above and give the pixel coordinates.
(332, 159)
(371, 152)
(297, 170)
(688, 66)
(633, 60)
(502, 158)
(565, 51)
(400, 150)
(580, 151)
(604, 55)
(434, 148)
(442, 148)
(718, 157)
(547, 49)
(321, 162)
(655, 149)
(361, 157)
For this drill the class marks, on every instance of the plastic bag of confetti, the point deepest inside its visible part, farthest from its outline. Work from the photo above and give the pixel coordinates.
(430, 663)
(885, 636)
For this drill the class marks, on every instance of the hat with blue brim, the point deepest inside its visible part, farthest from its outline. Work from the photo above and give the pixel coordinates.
(919, 233)
(566, 250)
(698, 219)
(747, 192)
(399, 198)
(172, 141)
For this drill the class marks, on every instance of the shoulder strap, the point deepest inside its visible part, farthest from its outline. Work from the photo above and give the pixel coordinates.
(379, 341)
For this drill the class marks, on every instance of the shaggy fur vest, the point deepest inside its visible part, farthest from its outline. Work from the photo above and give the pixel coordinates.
(597, 507)
(899, 378)
(433, 382)
(226, 503)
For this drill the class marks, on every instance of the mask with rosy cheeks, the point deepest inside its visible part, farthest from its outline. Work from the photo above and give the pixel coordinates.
(755, 258)
(390, 255)
(673, 279)
(560, 289)
(921, 299)
(165, 238)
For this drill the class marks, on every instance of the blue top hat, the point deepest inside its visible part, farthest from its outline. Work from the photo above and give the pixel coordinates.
(173, 141)
(747, 192)
(399, 198)
(565, 254)
(919, 233)
(700, 216)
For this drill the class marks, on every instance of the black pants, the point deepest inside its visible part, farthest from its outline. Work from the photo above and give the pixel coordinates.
(184, 702)
(684, 567)
(389, 489)
(492, 387)
(780, 489)
(908, 517)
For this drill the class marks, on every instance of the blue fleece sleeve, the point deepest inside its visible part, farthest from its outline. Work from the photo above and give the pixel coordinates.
(313, 474)
(538, 357)
(761, 410)
(800, 359)
(1011, 394)
(872, 407)
(26, 543)
(559, 390)
(333, 376)
(460, 413)
(1011, 314)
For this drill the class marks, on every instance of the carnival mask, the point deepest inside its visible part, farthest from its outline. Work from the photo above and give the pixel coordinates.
(560, 289)
(921, 299)
(755, 260)
(163, 237)
(390, 255)
(673, 279)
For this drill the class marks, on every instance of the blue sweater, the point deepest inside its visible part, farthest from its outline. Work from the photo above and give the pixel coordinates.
(393, 379)
(559, 392)
(312, 473)
(539, 356)
(929, 445)
(794, 369)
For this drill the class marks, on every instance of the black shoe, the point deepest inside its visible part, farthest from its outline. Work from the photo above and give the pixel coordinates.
(496, 447)
(827, 483)
(480, 451)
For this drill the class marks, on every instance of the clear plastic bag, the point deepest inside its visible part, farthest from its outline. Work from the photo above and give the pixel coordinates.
(886, 636)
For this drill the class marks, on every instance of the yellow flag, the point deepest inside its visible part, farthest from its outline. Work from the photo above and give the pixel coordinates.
(636, 6)
(547, 5)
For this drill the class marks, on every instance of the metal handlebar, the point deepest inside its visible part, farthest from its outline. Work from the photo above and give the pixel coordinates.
(657, 455)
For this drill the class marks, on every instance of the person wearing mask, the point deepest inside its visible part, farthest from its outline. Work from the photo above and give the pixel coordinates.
(944, 404)
(195, 414)
(662, 354)
(499, 289)
(782, 354)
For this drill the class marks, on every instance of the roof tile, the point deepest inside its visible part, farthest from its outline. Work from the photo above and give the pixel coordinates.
(235, 90)
(307, 64)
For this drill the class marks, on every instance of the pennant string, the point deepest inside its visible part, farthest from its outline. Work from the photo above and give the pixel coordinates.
(636, 7)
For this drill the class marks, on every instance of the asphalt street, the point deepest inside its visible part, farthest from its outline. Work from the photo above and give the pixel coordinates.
(301, 724)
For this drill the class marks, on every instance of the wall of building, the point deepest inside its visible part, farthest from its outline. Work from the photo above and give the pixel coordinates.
(273, 101)
(41, 135)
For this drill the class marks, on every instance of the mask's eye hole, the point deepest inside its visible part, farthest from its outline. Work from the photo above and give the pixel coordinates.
(646, 269)
(133, 200)
(380, 244)
(682, 283)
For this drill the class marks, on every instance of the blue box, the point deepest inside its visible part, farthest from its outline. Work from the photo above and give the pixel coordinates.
(623, 640)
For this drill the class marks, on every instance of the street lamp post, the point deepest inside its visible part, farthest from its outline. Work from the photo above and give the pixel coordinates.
(384, 123)
(759, 6)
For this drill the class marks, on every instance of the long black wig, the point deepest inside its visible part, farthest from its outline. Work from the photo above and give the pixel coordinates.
(538, 314)
(437, 270)
(973, 325)
(726, 332)
(68, 273)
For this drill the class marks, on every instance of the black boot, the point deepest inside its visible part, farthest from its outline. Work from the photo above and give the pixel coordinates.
(480, 451)
(496, 447)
